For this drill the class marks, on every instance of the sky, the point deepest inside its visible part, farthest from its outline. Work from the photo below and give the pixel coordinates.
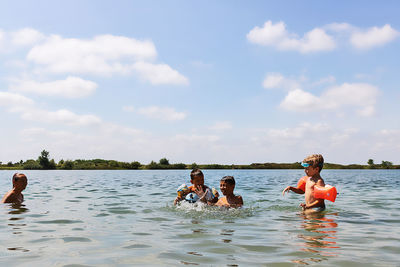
(228, 82)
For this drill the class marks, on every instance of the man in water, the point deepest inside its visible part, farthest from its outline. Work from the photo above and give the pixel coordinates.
(15, 195)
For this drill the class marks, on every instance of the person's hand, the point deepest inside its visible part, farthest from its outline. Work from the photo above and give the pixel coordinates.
(287, 189)
(303, 206)
(199, 191)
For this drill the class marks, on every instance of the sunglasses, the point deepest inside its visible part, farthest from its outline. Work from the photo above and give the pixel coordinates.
(305, 165)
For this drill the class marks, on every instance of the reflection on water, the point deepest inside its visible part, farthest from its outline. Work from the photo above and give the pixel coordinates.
(17, 224)
(17, 208)
(320, 236)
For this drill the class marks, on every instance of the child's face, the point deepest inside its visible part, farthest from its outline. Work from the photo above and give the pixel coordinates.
(311, 171)
(226, 189)
(197, 180)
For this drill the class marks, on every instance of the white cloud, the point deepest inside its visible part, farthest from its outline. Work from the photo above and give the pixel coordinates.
(26, 108)
(26, 36)
(14, 100)
(162, 113)
(221, 126)
(71, 87)
(62, 116)
(1, 38)
(158, 74)
(299, 100)
(277, 80)
(104, 54)
(273, 80)
(299, 132)
(360, 95)
(343, 136)
(373, 37)
(276, 35)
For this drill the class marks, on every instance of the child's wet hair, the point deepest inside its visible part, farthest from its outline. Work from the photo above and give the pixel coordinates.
(17, 176)
(229, 180)
(196, 173)
(315, 160)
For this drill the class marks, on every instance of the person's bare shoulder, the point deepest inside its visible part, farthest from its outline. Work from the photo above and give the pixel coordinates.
(239, 200)
(9, 197)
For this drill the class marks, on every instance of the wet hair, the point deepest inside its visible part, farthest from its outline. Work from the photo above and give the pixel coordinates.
(315, 160)
(229, 180)
(17, 176)
(196, 173)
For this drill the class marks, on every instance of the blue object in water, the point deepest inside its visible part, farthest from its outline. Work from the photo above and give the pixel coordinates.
(191, 198)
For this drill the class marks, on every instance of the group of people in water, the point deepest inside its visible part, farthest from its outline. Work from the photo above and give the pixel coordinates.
(199, 192)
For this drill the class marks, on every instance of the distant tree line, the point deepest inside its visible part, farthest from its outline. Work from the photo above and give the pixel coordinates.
(43, 162)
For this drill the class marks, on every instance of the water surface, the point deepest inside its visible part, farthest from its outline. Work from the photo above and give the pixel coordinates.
(126, 218)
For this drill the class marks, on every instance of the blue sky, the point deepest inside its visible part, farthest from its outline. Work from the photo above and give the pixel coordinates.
(200, 81)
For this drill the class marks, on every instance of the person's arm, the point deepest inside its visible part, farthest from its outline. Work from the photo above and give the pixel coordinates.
(294, 189)
(213, 201)
(179, 199)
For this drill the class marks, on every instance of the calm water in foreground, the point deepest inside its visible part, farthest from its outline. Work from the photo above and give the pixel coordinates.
(125, 218)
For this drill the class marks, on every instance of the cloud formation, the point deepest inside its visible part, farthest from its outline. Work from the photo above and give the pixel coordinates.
(362, 96)
(275, 80)
(277, 36)
(373, 37)
(325, 38)
(158, 74)
(26, 37)
(102, 55)
(71, 87)
(26, 107)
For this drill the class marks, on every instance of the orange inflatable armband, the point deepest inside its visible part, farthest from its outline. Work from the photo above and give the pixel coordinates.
(328, 192)
(301, 184)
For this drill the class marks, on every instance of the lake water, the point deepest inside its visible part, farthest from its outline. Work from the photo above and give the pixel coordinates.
(126, 218)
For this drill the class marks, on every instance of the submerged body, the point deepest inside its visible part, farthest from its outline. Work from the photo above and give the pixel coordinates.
(15, 195)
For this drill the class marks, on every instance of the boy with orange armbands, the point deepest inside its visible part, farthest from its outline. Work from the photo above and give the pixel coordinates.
(307, 185)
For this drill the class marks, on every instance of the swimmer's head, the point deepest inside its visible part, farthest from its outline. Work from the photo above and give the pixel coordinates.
(19, 181)
(197, 177)
(314, 161)
(227, 185)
